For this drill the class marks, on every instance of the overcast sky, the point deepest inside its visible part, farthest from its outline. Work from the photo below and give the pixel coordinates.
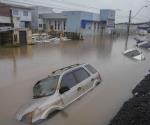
(122, 7)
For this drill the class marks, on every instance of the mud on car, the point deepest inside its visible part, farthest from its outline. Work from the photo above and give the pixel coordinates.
(61, 88)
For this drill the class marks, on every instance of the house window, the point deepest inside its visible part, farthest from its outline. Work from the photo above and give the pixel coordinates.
(58, 26)
(25, 13)
(98, 26)
(40, 25)
(64, 25)
(55, 25)
(15, 12)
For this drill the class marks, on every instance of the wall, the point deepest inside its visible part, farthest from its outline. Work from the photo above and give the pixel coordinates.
(4, 13)
(40, 21)
(28, 36)
(16, 22)
(108, 16)
(20, 14)
(4, 10)
(76, 18)
(35, 16)
(73, 21)
(90, 26)
(4, 19)
(122, 28)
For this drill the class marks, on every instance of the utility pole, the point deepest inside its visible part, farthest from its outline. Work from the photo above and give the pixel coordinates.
(128, 28)
(12, 26)
(129, 23)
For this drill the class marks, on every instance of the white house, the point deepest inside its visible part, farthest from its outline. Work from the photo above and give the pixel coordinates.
(21, 16)
(54, 22)
(37, 21)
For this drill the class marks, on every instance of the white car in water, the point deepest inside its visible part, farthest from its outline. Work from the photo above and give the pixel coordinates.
(58, 90)
(134, 54)
(144, 45)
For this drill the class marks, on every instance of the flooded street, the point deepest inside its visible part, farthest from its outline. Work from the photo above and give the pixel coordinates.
(21, 68)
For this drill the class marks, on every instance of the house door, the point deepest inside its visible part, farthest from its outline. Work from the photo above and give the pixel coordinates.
(23, 38)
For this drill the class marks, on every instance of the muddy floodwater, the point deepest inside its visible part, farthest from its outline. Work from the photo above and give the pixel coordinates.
(21, 68)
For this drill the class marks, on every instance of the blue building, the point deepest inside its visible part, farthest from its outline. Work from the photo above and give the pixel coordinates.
(85, 23)
(82, 22)
(108, 16)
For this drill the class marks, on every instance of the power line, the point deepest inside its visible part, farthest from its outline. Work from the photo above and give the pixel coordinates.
(55, 5)
(31, 4)
(76, 4)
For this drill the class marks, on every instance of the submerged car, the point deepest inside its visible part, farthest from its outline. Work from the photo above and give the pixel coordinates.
(139, 41)
(58, 90)
(145, 45)
(134, 54)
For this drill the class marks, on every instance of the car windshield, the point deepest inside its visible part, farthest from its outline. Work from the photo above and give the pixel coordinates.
(45, 87)
(133, 53)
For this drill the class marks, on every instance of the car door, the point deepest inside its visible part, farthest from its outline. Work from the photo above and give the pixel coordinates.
(84, 81)
(68, 88)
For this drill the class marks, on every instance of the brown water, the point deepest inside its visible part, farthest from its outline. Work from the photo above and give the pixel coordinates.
(21, 68)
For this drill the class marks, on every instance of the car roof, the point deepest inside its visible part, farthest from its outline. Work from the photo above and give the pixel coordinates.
(70, 67)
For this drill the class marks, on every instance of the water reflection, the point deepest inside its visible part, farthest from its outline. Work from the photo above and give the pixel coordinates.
(126, 43)
(21, 68)
(22, 52)
(9, 62)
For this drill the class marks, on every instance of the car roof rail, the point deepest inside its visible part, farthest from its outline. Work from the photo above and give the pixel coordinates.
(65, 68)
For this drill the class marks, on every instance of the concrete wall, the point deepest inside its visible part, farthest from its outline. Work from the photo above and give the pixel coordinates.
(28, 36)
(73, 21)
(21, 15)
(20, 18)
(4, 19)
(4, 10)
(35, 17)
(122, 28)
(37, 10)
(106, 14)
(54, 25)
(40, 22)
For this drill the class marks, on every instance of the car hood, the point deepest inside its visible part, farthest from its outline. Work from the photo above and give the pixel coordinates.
(32, 105)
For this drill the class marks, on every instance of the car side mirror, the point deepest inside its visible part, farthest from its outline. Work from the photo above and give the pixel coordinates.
(63, 89)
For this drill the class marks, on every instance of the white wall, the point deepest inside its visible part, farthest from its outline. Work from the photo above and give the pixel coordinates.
(16, 22)
(4, 19)
(50, 22)
(40, 21)
(21, 14)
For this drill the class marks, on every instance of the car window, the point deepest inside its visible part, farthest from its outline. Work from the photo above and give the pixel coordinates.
(133, 53)
(45, 87)
(81, 74)
(91, 69)
(68, 80)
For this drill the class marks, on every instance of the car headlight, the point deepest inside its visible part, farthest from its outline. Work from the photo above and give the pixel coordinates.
(30, 116)
(37, 112)
(27, 118)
